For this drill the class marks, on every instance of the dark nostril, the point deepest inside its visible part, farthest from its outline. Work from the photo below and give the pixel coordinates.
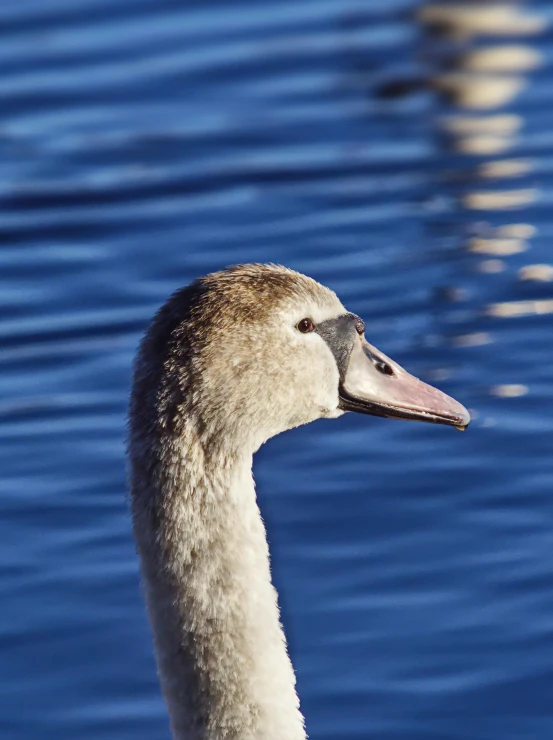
(384, 368)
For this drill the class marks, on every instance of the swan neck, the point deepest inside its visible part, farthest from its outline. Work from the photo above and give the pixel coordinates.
(221, 651)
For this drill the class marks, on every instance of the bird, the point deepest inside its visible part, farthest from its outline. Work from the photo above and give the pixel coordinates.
(228, 362)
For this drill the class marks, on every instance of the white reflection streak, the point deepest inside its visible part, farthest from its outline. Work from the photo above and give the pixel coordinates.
(478, 80)
(511, 309)
(485, 79)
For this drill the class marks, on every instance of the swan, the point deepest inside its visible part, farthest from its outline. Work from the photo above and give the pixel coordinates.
(228, 362)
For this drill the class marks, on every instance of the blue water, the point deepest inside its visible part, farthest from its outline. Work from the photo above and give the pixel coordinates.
(145, 143)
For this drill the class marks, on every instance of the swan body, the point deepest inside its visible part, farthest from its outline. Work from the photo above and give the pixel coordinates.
(228, 362)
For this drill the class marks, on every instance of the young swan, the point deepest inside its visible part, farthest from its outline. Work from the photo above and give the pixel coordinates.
(228, 362)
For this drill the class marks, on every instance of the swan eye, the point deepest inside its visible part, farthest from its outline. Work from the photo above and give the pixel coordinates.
(360, 326)
(305, 326)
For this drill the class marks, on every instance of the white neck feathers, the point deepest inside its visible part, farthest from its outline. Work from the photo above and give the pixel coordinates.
(221, 651)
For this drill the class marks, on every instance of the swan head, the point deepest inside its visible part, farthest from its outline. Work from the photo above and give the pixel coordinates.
(254, 350)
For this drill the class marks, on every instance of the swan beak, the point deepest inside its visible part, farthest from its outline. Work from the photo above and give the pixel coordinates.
(374, 384)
